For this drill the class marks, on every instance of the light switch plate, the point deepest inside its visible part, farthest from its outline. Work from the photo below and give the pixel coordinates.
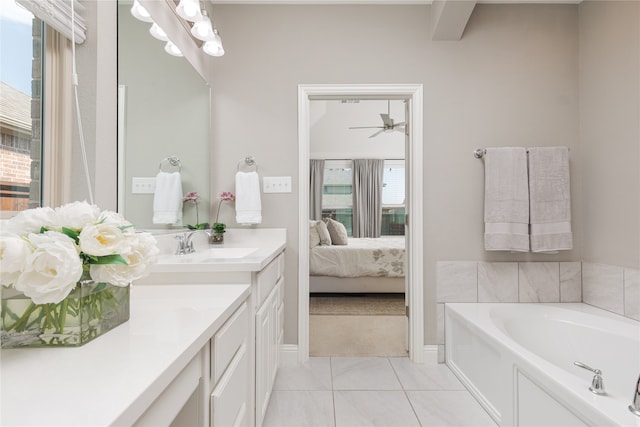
(143, 185)
(276, 184)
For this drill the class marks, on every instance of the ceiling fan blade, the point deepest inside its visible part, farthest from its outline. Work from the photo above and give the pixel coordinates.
(388, 122)
(399, 124)
(377, 133)
(399, 129)
(367, 127)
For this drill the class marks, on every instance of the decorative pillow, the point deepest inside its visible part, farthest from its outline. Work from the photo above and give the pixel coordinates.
(323, 232)
(314, 237)
(337, 231)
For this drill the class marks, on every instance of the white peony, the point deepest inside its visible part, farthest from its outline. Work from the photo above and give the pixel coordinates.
(142, 253)
(52, 269)
(76, 215)
(101, 239)
(14, 252)
(30, 221)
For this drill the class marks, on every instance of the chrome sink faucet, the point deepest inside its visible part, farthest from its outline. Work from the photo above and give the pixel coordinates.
(635, 406)
(185, 243)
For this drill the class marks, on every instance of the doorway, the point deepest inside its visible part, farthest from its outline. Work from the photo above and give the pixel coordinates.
(412, 95)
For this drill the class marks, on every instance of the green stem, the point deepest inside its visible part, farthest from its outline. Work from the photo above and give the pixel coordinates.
(20, 324)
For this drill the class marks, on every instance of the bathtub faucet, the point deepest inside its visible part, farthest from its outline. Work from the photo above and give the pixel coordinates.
(597, 384)
(635, 406)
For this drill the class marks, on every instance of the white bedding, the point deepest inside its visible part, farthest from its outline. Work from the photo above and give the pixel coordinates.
(384, 256)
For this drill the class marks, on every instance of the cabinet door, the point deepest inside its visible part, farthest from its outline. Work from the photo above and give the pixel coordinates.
(230, 398)
(263, 371)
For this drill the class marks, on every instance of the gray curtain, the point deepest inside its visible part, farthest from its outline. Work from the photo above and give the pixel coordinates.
(316, 170)
(367, 197)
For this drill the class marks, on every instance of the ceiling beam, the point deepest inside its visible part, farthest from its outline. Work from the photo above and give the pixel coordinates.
(449, 18)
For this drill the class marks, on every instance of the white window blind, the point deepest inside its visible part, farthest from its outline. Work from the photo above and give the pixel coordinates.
(57, 14)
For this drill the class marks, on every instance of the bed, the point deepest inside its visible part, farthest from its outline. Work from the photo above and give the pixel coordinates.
(369, 265)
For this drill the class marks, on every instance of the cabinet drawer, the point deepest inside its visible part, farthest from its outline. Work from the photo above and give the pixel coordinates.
(230, 398)
(268, 277)
(228, 340)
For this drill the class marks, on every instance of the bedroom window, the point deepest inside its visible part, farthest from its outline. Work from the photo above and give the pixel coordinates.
(337, 195)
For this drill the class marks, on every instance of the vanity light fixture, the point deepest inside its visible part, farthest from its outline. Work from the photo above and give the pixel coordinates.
(172, 49)
(140, 13)
(189, 10)
(214, 47)
(203, 30)
(158, 33)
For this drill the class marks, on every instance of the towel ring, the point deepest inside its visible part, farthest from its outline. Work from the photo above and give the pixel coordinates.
(171, 161)
(248, 161)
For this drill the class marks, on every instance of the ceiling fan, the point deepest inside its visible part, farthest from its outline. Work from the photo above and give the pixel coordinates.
(388, 125)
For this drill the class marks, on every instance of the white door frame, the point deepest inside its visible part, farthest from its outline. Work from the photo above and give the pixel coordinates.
(414, 271)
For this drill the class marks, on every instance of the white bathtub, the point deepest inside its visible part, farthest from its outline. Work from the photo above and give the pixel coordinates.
(517, 360)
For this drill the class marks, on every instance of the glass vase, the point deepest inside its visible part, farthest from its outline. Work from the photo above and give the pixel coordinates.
(90, 310)
(216, 239)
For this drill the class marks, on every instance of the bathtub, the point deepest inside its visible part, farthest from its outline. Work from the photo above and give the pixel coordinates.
(517, 361)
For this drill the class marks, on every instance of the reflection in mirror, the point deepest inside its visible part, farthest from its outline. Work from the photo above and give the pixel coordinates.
(164, 109)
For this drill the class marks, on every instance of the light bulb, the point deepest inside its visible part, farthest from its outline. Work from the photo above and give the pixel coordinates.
(203, 30)
(139, 12)
(172, 49)
(214, 47)
(158, 33)
(189, 10)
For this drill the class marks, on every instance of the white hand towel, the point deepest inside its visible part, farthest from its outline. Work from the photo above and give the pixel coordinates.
(167, 199)
(506, 200)
(248, 207)
(550, 194)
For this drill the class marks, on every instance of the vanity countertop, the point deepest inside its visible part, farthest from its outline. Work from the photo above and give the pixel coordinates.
(243, 250)
(114, 378)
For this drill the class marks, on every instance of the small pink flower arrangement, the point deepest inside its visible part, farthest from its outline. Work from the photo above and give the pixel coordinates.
(194, 197)
(225, 196)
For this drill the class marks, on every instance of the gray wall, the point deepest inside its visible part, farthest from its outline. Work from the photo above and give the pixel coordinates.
(511, 80)
(522, 75)
(610, 132)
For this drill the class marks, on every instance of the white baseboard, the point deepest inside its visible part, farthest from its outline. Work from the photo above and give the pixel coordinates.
(289, 354)
(430, 354)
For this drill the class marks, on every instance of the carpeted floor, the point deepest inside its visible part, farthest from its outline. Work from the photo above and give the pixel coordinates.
(362, 325)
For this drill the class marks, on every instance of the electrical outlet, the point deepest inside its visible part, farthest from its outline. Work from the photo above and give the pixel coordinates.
(143, 185)
(276, 184)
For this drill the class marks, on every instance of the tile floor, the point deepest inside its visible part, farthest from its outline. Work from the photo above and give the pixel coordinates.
(371, 391)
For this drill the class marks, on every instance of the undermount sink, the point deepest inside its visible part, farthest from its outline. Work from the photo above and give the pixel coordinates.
(207, 256)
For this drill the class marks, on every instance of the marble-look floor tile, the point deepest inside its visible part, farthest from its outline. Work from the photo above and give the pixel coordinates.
(424, 376)
(363, 373)
(299, 409)
(448, 408)
(315, 374)
(373, 408)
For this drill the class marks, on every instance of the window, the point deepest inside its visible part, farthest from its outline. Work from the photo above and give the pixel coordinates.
(337, 195)
(36, 107)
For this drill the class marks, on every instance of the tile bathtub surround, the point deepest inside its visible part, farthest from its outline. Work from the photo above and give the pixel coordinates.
(457, 281)
(538, 282)
(570, 282)
(420, 394)
(603, 286)
(632, 293)
(497, 282)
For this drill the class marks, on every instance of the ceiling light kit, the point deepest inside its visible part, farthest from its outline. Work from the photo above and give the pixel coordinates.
(197, 19)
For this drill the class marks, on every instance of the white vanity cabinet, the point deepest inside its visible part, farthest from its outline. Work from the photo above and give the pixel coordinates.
(269, 328)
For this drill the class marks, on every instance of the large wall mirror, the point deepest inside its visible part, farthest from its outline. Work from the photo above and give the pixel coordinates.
(164, 110)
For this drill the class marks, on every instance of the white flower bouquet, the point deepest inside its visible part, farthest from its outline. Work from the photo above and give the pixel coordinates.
(65, 273)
